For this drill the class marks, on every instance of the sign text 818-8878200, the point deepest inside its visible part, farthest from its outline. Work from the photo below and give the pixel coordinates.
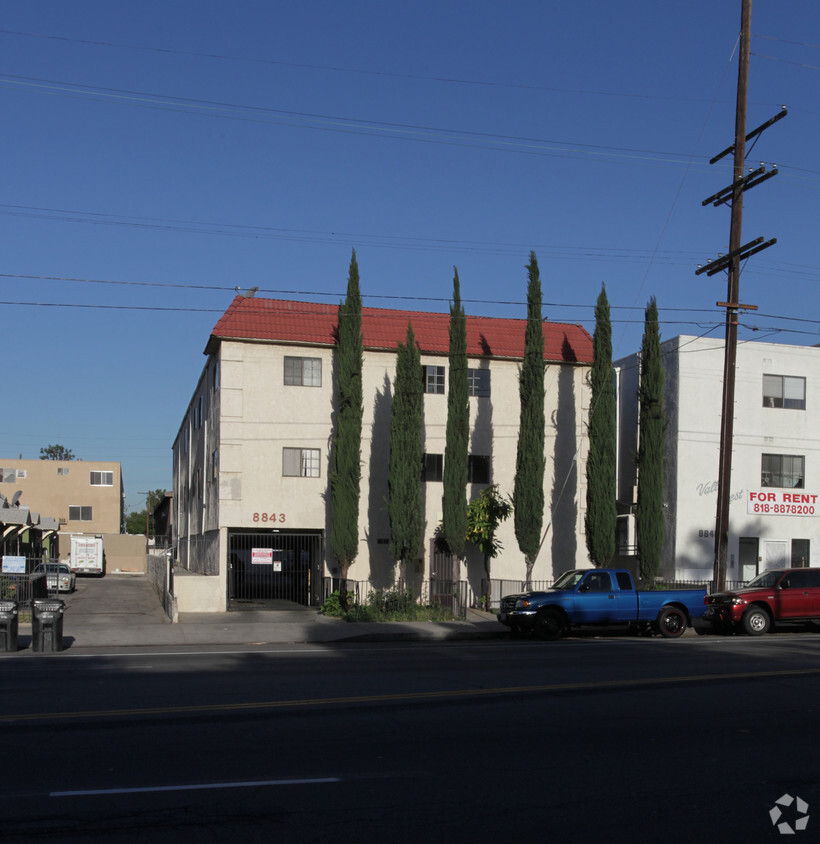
(782, 503)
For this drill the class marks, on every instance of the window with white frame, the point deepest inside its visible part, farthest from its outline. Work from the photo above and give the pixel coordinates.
(478, 381)
(303, 372)
(787, 391)
(433, 379)
(102, 479)
(78, 513)
(783, 470)
(300, 462)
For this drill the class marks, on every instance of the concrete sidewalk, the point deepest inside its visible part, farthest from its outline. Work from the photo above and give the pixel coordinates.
(123, 611)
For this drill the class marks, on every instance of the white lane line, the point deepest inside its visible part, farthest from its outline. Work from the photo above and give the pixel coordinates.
(201, 787)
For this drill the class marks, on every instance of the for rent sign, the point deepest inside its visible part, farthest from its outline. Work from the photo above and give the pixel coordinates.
(781, 502)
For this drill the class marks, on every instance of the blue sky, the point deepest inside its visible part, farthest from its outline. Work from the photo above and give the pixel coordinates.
(157, 155)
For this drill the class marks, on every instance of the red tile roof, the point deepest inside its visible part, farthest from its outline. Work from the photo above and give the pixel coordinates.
(313, 324)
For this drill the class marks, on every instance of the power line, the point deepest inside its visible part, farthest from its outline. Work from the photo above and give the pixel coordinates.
(336, 123)
(392, 241)
(306, 311)
(336, 296)
(351, 70)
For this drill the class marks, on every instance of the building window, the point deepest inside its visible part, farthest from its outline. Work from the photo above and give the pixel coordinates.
(8, 476)
(303, 372)
(478, 469)
(300, 462)
(479, 382)
(432, 468)
(782, 470)
(433, 379)
(784, 391)
(102, 479)
(62, 470)
(79, 514)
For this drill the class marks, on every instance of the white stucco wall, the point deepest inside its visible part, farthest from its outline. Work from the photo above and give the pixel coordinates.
(694, 389)
(256, 416)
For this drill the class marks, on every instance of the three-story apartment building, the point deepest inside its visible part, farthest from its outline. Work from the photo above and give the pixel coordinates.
(251, 457)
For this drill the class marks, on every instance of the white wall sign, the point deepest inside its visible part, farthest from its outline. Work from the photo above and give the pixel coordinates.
(782, 502)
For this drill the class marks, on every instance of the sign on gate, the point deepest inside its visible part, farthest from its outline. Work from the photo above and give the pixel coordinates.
(13, 564)
(261, 556)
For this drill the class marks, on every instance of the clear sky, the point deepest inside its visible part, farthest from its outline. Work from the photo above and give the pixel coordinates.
(158, 155)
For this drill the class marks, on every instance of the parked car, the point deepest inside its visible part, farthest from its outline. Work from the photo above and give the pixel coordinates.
(59, 577)
(600, 597)
(776, 595)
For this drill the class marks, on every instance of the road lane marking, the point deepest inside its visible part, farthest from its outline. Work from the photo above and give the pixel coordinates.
(201, 787)
(601, 685)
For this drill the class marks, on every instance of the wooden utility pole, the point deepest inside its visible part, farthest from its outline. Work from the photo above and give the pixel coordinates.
(731, 262)
(727, 413)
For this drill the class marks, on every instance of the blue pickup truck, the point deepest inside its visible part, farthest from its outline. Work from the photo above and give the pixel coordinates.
(600, 597)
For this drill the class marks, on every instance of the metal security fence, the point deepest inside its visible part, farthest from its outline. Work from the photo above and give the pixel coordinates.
(405, 600)
(708, 585)
(496, 589)
(161, 575)
(24, 588)
(199, 553)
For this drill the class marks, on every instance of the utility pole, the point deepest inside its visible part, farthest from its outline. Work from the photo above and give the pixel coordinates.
(731, 263)
(147, 515)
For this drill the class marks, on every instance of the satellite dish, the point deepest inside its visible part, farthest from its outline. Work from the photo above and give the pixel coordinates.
(3, 501)
(16, 497)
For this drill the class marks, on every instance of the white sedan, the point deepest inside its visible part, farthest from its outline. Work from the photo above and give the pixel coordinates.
(59, 577)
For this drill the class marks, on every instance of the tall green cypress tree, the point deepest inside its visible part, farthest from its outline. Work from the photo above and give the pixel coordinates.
(404, 503)
(651, 431)
(454, 504)
(346, 471)
(528, 489)
(601, 515)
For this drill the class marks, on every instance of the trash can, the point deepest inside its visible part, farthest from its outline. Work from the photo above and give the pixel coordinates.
(47, 625)
(8, 626)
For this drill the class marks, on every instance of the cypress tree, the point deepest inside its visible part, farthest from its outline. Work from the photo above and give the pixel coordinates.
(651, 431)
(454, 504)
(404, 503)
(528, 489)
(601, 512)
(346, 471)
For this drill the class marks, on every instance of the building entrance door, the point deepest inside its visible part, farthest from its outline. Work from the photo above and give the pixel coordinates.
(748, 553)
(776, 554)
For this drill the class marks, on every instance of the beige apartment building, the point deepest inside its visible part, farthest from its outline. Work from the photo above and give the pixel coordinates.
(84, 496)
(251, 458)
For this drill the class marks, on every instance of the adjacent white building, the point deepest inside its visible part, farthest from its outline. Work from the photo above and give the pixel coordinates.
(775, 490)
(251, 462)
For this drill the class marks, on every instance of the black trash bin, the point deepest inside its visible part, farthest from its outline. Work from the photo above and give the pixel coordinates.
(8, 626)
(47, 625)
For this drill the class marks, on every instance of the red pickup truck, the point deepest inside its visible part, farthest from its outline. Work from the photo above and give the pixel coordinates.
(778, 595)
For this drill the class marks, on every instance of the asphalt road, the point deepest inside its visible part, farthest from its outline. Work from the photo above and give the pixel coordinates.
(610, 739)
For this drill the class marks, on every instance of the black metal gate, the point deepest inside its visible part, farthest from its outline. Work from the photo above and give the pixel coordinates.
(441, 577)
(274, 570)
